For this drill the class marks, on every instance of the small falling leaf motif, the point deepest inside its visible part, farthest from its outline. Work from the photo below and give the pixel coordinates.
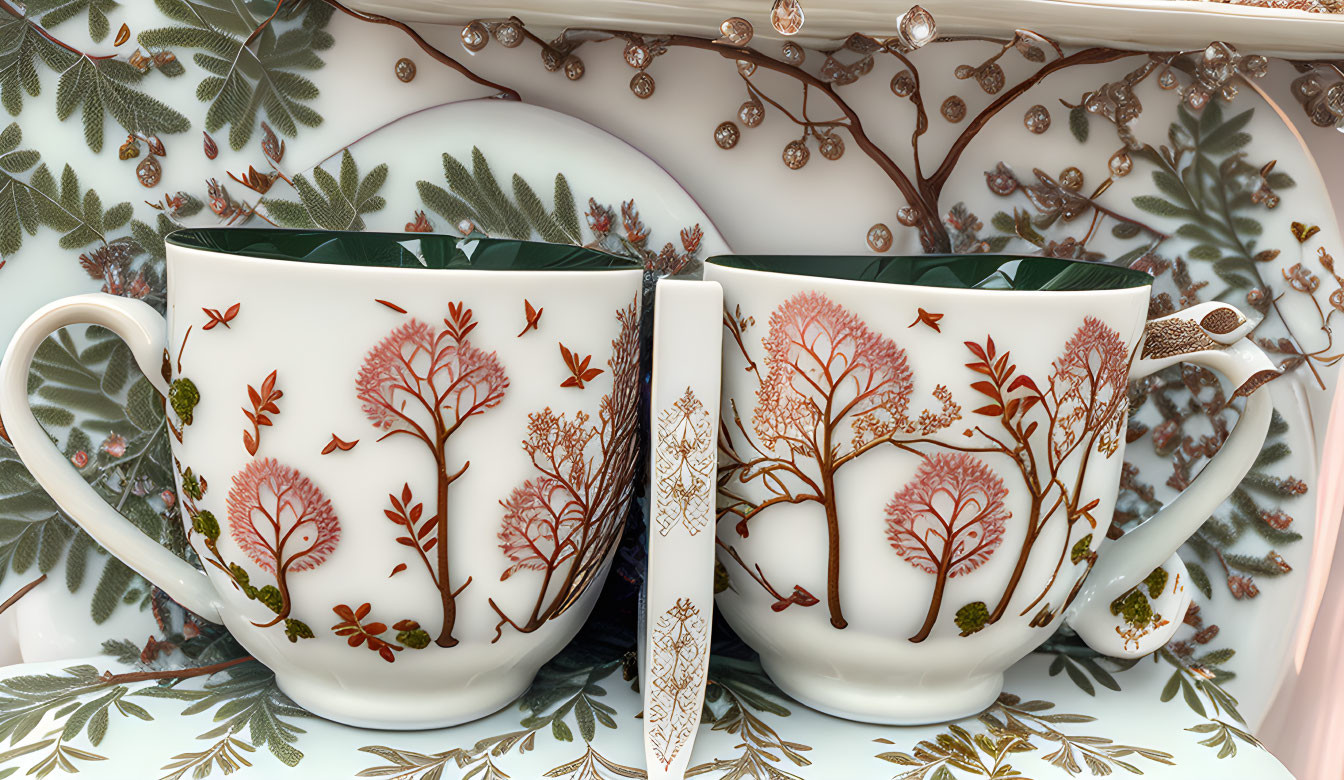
(123, 35)
(390, 305)
(337, 443)
(533, 316)
(218, 318)
(398, 569)
(211, 148)
(581, 374)
(928, 318)
(1303, 232)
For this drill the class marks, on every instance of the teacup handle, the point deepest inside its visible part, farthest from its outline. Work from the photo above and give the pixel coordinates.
(143, 330)
(1212, 335)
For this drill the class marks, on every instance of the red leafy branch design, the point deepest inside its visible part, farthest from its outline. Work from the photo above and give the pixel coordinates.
(580, 373)
(425, 383)
(263, 405)
(357, 633)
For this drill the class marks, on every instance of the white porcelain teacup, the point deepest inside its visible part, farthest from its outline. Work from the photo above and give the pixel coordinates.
(404, 461)
(917, 474)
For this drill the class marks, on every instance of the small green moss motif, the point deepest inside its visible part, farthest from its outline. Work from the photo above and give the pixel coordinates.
(183, 397)
(972, 617)
(1080, 550)
(416, 640)
(191, 485)
(1156, 582)
(205, 524)
(1134, 608)
(270, 596)
(410, 633)
(297, 629)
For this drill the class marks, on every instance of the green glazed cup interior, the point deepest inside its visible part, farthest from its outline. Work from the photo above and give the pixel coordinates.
(961, 272)
(397, 250)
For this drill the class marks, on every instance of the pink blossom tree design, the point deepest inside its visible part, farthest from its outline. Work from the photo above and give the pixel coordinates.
(947, 521)
(281, 520)
(564, 522)
(425, 382)
(833, 389)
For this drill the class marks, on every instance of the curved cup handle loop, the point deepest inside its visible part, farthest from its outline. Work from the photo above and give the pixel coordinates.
(1212, 335)
(143, 330)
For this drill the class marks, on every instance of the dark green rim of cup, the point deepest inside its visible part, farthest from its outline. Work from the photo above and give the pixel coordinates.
(961, 272)
(398, 250)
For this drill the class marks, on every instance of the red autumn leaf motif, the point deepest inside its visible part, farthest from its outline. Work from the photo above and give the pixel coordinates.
(211, 148)
(532, 315)
(928, 318)
(357, 633)
(947, 521)
(282, 521)
(398, 569)
(420, 224)
(800, 597)
(220, 318)
(263, 405)
(337, 443)
(580, 373)
(256, 180)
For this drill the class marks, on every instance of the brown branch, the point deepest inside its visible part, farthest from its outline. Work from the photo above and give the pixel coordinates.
(1094, 56)
(21, 592)
(179, 674)
(426, 47)
(932, 233)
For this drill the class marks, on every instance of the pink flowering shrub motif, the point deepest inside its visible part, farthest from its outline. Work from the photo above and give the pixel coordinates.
(832, 389)
(947, 521)
(561, 525)
(425, 382)
(1088, 390)
(282, 522)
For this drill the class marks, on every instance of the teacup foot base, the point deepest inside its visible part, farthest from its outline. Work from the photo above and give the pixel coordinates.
(403, 710)
(885, 702)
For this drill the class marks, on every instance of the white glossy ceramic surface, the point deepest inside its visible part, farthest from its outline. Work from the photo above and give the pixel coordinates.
(347, 391)
(898, 525)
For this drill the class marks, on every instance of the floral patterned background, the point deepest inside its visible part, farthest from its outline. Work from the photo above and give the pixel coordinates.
(128, 120)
